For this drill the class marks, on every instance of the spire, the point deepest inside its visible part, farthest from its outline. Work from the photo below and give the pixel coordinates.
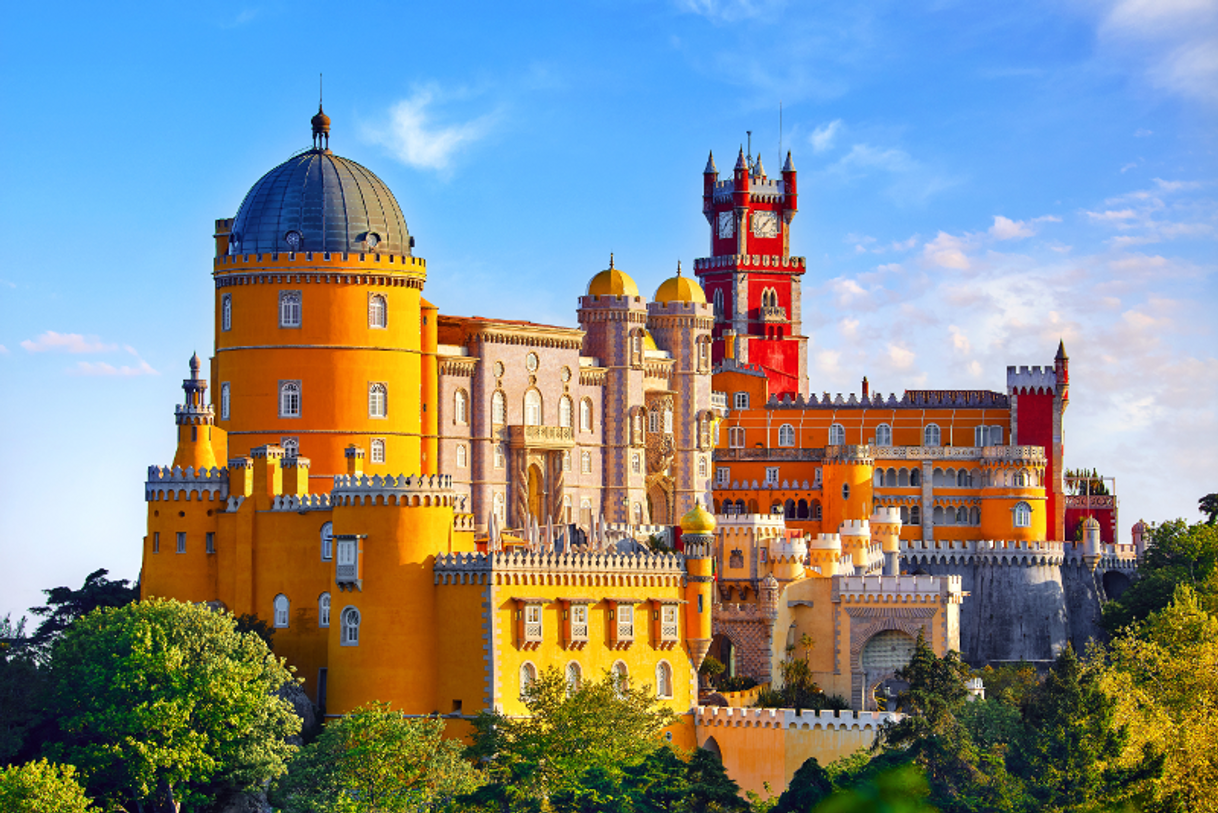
(710, 165)
(194, 366)
(678, 268)
(1061, 351)
(321, 123)
(789, 166)
(758, 169)
(610, 260)
(740, 164)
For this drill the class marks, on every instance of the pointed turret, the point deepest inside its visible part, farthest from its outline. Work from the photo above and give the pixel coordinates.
(710, 164)
(740, 162)
(789, 166)
(709, 176)
(1061, 351)
(195, 420)
(1061, 364)
(758, 169)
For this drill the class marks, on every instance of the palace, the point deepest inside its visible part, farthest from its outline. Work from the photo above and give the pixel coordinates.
(429, 508)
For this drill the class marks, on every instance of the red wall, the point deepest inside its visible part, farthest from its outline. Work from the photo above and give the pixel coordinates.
(1036, 429)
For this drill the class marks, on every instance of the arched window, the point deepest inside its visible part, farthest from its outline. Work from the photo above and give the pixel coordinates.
(378, 400)
(621, 677)
(574, 676)
(498, 408)
(1023, 515)
(377, 311)
(936, 516)
(462, 456)
(740, 400)
(903, 478)
(566, 461)
(323, 610)
(500, 458)
(653, 420)
(585, 462)
(915, 515)
(668, 420)
(460, 407)
(289, 308)
(636, 463)
(532, 408)
(349, 627)
(816, 510)
(283, 609)
(378, 450)
(964, 479)
(566, 508)
(786, 435)
(289, 399)
(931, 436)
(837, 435)
(915, 477)
(226, 312)
(585, 415)
(564, 412)
(528, 674)
(718, 300)
(291, 447)
(638, 513)
(962, 516)
(883, 435)
(225, 401)
(663, 679)
(497, 506)
(702, 468)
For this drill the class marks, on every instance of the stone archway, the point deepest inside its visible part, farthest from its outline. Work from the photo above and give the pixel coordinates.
(867, 624)
(884, 653)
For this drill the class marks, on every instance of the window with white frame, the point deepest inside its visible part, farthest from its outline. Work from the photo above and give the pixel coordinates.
(462, 456)
(786, 435)
(579, 622)
(460, 407)
(625, 622)
(499, 408)
(532, 408)
(585, 415)
(1023, 515)
(564, 412)
(291, 446)
(323, 610)
(702, 466)
(226, 312)
(378, 450)
(837, 435)
(327, 541)
(883, 435)
(663, 679)
(668, 622)
(723, 475)
(638, 513)
(636, 463)
(585, 462)
(740, 400)
(499, 456)
(181, 541)
(378, 400)
(226, 399)
(931, 436)
(289, 308)
(771, 474)
(377, 311)
(653, 420)
(735, 437)
(528, 674)
(668, 421)
(349, 622)
(987, 436)
(532, 622)
(566, 461)
(289, 399)
(282, 610)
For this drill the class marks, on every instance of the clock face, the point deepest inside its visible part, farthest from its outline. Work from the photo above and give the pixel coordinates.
(765, 224)
(727, 224)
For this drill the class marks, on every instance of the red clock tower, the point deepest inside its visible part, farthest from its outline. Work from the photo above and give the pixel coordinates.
(751, 277)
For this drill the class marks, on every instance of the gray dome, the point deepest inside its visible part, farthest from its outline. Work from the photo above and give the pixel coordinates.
(317, 201)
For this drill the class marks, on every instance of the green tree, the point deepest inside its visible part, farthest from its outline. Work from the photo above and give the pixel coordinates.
(20, 689)
(156, 697)
(709, 789)
(658, 784)
(1208, 505)
(798, 689)
(1178, 553)
(65, 605)
(376, 759)
(601, 724)
(42, 787)
(809, 786)
(900, 789)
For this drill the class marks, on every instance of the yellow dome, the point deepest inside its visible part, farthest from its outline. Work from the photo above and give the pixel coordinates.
(612, 282)
(680, 289)
(698, 521)
(649, 342)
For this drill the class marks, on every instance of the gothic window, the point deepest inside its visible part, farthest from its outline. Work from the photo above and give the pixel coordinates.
(282, 610)
(532, 408)
(528, 674)
(962, 516)
(936, 516)
(931, 436)
(668, 420)
(786, 435)
(460, 407)
(837, 435)
(964, 479)
(289, 308)
(883, 435)
(718, 299)
(574, 676)
(327, 541)
(225, 401)
(585, 415)
(564, 412)
(566, 461)
(323, 610)
(771, 475)
(291, 447)
(915, 478)
(226, 312)
(636, 463)
(663, 679)
(653, 420)
(702, 467)
(1023, 515)
(378, 450)
(462, 456)
(740, 400)
(816, 510)
(637, 427)
(788, 510)
(181, 541)
(498, 408)
(498, 507)
(377, 311)
(915, 515)
(289, 399)
(378, 397)
(499, 456)
(638, 513)
(585, 462)
(566, 508)
(801, 509)
(621, 677)
(349, 624)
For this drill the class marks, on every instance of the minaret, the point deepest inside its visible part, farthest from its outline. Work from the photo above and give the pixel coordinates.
(698, 535)
(196, 422)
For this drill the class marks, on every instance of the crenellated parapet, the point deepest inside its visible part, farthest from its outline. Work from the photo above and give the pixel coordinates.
(898, 590)
(405, 490)
(301, 502)
(176, 483)
(910, 399)
(1027, 379)
(1020, 553)
(567, 569)
(827, 720)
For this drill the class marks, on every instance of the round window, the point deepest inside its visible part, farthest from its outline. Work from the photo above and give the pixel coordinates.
(845, 491)
(530, 361)
(294, 239)
(373, 238)
(498, 369)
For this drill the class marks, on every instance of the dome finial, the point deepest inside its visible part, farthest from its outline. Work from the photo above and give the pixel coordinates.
(321, 122)
(678, 268)
(611, 260)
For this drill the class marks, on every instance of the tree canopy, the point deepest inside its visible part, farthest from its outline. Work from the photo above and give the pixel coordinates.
(1179, 553)
(42, 787)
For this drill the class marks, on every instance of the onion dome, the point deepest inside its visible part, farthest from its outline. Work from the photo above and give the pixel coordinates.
(612, 282)
(680, 289)
(698, 521)
(318, 201)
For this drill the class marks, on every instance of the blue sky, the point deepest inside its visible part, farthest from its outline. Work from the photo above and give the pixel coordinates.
(977, 180)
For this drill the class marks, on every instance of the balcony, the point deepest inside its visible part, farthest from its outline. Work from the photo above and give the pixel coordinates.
(541, 437)
(773, 313)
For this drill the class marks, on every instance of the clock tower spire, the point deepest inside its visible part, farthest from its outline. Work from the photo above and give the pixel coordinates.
(750, 275)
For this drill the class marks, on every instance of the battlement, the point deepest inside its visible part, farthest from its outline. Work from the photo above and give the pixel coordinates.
(1023, 553)
(413, 490)
(897, 589)
(751, 262)
(855, 527)
(301, 502)
(177, 483)
(582, 569)
(319, 259)
(711, 716)
(911, 399)
(1031, 379)
(610, 302)
(677, 307)
(826, 542)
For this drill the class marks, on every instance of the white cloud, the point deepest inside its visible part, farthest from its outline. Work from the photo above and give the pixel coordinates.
(960, 342)
(1115, 217)
(3, 350)
(947, 251)
(102, 368)
(414, 137)
(50, 341)
(728, 11)
(1175, 42)
(899, 358)
(866, 156)
(1007, 229)
(822, 137)
(1128, 167)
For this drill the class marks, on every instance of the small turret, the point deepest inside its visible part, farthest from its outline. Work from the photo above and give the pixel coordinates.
(195, 420)
(1061, 365)
(710, 176)
(790, 192)
(697, 535)
(758, 169)
(1093, 545)
(886, 531)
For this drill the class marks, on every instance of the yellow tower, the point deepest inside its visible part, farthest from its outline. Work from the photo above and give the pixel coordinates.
(698, 534)
(847, 487)
(886, 532)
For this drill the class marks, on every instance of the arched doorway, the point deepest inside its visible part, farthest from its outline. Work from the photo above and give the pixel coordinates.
(1115, 583)
(723, 649)
(537, 493)
(882, 655)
